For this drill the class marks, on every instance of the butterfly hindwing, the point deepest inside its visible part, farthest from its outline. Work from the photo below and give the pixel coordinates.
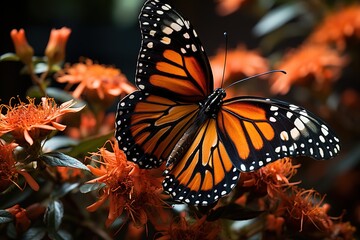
(258, 131)
(205, 172)
(172, 62)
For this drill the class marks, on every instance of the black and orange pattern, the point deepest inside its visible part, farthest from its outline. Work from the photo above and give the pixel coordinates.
(177, 117)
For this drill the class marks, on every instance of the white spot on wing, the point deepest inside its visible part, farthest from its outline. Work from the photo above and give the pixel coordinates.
(284, 136)
(167, 30)
(295, 134)
(150, 45)
(166, 40)
(243, 167)
(299, 124)
(175, 26)
(274, 108)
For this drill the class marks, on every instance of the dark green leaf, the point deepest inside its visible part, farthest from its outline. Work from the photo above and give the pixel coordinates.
(15, 196)
(91, 187)
(58, 94)
(36, 233)
(278, 17)
(11, 231)
(90, 145)
(63, 96)
(60, 235)
(58, 159)
(59, 142)
(40, 67)
(5, 216)
(233, 212)
(64, 189)
(53, 215)
(9, 57)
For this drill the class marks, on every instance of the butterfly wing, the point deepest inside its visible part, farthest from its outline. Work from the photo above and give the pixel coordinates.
(257, 131)
(205, 172)
(172, 62)
(148, 127)
(173, 75)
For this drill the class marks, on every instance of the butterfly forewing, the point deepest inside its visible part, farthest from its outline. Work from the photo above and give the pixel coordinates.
(173, 75)
(258, 131)
(205, 173)
(148, 127)
(172, 62)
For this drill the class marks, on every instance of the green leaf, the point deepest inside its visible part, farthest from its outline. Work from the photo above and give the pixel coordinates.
(90, 145)
(60, 235)
(63, 96)
(14, 196)
(36, 233)
(40, 67)
(58, 159)
(58, 94)
(5, 216)
(278, 17)
(89, 187)
(59, 142)
(53, 215)
(64, 189)
(9, 57)
(233, 212)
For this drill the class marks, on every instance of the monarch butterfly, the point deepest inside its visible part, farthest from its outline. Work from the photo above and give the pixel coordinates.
(176, 116)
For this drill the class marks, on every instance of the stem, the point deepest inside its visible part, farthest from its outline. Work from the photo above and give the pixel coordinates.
(38, 81)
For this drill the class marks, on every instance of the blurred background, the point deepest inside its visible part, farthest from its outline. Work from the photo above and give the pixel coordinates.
(316, 42)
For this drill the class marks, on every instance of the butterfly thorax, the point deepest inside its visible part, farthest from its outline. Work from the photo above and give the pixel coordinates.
(212, 104)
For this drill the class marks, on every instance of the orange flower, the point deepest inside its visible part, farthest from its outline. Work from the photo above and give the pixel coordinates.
(184, 230)
(306, 210)
(96, 82)
(28, 122)
(337, 27)
(90, 126)
(23, 217)
(316, 63)
(23, 50)
(226, 7)
(69, 174)
(271, 178)
(7, 164)
(240, 63)
(55, 49)
(8, 169)
(22, 221)
(274, 224)
(343, 230)
(130, 190)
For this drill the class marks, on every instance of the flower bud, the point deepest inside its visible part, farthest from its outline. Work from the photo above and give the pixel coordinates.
(55, 49)
(22, 49)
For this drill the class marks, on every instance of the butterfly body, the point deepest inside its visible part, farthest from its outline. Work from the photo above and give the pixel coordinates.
(207, 109)
(205, 139)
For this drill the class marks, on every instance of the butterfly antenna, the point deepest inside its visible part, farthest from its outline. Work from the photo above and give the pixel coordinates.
(225, 57)
(255, 76)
